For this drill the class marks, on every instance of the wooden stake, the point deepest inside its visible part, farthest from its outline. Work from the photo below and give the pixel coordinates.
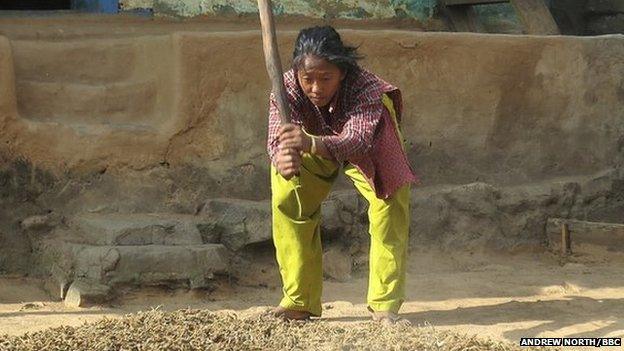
(272, 58)
(565, 239)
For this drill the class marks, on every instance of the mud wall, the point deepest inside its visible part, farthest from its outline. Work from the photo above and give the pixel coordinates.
(494, 108)
(499, 109)
(535, 122)
(7, 82)
(14, 190)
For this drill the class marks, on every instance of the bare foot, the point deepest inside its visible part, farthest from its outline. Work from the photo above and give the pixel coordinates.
(288, 314)
(387, 317)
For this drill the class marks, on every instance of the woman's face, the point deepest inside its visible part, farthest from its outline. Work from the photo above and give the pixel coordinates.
(319, 79)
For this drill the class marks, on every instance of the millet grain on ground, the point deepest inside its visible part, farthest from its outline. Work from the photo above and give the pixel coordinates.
(191, 329)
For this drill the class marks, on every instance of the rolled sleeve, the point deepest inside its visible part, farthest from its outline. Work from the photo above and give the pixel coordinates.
(356, 138)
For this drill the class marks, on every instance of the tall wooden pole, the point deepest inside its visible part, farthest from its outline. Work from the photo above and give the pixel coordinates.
(272, 59)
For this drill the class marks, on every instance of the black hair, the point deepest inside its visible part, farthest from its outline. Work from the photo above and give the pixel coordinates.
(324, 42)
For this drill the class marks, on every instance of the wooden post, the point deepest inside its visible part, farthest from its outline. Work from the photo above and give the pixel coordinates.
(272, 58)
(536, 17)
(565, 239)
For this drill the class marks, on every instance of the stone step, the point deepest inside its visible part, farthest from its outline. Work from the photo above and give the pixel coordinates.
(86, 60)
(141, 229)
(242, 222)
(145, 265)
(128, 102)
(239, 222)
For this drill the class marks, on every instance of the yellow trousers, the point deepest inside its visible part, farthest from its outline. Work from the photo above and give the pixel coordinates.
(296, 206)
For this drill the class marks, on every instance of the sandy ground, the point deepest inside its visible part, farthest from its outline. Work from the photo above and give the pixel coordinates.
(503, 297)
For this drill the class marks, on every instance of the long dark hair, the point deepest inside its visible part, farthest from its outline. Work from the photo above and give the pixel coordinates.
(324, 42)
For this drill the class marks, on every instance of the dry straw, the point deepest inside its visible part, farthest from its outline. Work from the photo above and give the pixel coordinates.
(203, 330)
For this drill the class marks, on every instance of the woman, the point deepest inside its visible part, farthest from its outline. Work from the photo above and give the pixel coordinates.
(342, 115)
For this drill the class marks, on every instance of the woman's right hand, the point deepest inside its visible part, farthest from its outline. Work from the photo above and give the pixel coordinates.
(288, 162)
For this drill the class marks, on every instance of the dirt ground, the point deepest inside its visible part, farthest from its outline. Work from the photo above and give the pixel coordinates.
(504, 297)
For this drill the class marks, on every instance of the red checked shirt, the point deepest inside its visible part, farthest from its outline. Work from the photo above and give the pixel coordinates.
(357, 129)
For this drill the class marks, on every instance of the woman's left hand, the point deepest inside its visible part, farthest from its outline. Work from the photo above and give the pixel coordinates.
(292, 136)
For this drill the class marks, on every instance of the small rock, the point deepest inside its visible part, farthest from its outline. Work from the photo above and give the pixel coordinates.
(83, 294)
(32, 306)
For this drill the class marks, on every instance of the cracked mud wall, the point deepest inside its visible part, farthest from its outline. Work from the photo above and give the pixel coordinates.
(504, 130)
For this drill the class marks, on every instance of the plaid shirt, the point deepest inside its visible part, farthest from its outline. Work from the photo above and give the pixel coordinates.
(358, 128)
